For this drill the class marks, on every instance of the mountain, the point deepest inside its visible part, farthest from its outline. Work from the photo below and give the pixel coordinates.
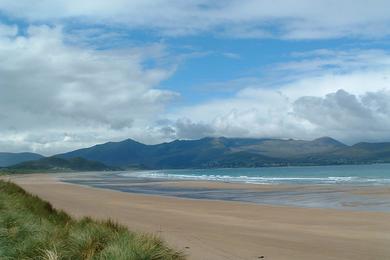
(125, 153)
(362, 153)
(232, 152)
(280, 148)
(207, 152)
(60, 164)
(7, 159)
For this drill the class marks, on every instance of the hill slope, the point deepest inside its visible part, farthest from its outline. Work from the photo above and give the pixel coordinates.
(233, 152)
(123, 153)
(60, 164)
(7, 159)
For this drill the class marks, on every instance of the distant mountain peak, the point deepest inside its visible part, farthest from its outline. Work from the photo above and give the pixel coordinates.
(231, 152)
(129, 140)
(328, 140)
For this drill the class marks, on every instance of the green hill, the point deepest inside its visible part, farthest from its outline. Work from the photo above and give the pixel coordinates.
(211, 152)
(8, 159)
(232, 152)
(60, 164)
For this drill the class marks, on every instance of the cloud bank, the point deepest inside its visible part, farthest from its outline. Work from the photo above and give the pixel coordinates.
(56, 97)
(345, 95)
(68, 95)
(288, 19)
(65, 85)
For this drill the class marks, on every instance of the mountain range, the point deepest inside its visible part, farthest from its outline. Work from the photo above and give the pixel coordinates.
(211, 152)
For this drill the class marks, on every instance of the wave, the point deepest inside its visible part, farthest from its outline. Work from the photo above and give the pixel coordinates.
(257, 179)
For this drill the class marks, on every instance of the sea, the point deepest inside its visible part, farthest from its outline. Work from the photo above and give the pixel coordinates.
(345, 187)
(368, 174)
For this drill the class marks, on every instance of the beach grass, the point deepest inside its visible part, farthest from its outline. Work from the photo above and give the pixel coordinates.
(31, 228)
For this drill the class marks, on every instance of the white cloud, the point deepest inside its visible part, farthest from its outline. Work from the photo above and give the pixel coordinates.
(55, 96)
(8, 30)
(344, 95)
(348, 116)
(291, 19)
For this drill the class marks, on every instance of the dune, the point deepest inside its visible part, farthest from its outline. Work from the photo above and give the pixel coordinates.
(207, 229)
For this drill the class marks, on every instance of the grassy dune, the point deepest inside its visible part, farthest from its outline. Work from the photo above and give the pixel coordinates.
(32, 229)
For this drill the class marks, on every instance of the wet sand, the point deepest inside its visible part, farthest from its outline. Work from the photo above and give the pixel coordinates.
(333, 196)
(207, 229)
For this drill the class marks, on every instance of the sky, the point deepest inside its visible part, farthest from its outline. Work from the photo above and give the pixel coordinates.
(74, 73)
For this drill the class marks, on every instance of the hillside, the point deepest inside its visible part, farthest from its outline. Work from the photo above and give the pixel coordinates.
(60, 164)
(356, 154)
(233, 152)
(209, 152)
(8, 159)
(123, 153)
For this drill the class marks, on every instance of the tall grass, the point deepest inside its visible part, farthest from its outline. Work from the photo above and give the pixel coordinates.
(32, 229)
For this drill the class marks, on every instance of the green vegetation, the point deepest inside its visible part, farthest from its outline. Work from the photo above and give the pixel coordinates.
(55, 164)
(220, 152)
(8, 159)
(32, 229)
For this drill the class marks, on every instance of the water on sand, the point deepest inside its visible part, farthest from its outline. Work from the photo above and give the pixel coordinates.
(354, 187)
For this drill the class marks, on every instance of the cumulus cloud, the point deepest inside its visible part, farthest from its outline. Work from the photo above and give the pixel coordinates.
(339, 94)
(250, 113)
(339, 110)
(54, 94)
(185, 128)
(7, 30)
(289, 19)
(347, 115)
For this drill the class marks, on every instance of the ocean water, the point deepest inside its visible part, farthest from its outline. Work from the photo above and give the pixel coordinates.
(373, 174)
(351, 187)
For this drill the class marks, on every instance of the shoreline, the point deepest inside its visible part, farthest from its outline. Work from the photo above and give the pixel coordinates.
(226, 229)
(334, 196)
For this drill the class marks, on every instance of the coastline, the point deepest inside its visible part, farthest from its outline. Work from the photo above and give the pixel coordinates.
(225, 229)
(334, 196)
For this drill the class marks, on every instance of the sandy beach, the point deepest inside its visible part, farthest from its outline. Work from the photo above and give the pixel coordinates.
(207, 229)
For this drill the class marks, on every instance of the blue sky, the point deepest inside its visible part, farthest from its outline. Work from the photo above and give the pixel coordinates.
(77, 73)
(230, 59)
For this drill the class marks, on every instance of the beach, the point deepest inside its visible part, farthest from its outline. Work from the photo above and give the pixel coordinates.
(216, 229)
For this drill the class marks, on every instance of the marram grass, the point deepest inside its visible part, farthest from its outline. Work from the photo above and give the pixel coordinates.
(32, 229)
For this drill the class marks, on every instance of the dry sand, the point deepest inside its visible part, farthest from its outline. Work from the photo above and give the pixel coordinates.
(227, 230)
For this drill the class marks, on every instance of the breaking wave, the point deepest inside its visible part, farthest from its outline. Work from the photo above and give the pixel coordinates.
(257, 179)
